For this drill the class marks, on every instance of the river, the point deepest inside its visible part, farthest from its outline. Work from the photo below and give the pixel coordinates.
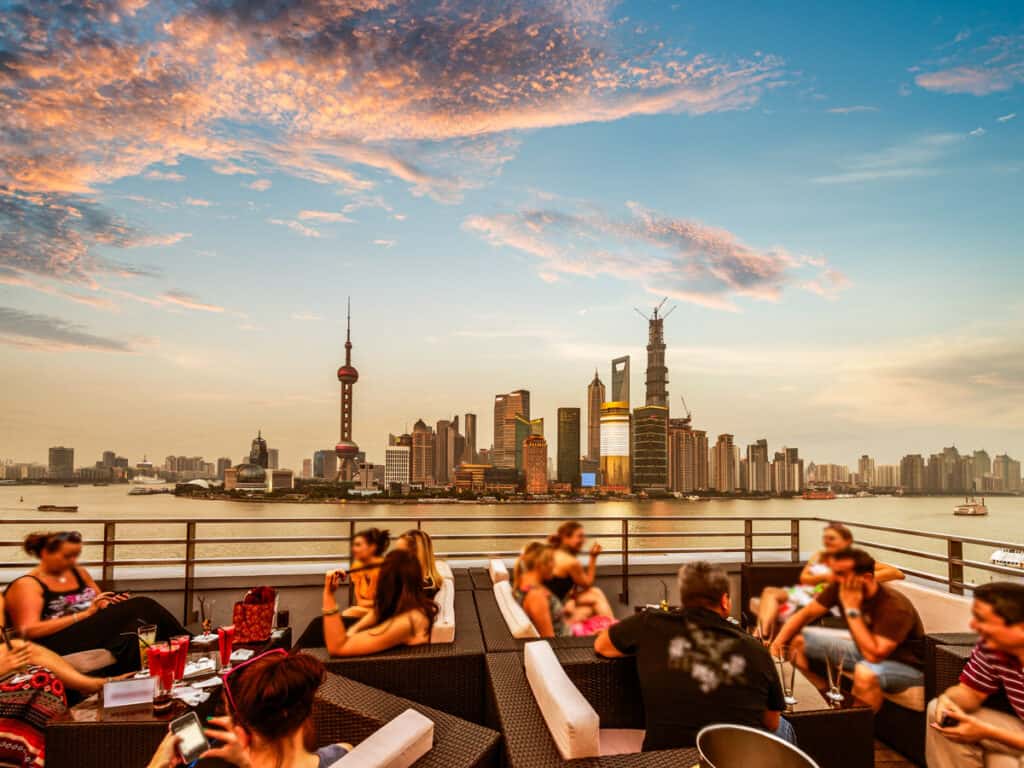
(164, 517)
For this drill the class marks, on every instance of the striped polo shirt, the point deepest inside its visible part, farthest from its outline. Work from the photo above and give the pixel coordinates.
(988, 671)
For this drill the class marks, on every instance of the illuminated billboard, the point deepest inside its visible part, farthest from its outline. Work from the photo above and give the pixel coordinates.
(588, 480)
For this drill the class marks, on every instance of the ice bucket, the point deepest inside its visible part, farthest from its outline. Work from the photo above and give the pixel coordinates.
(736, 746)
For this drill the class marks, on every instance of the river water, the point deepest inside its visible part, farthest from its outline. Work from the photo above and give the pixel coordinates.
(164, 517)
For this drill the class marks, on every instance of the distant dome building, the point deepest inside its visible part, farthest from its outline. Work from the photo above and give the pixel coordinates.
(252, 473)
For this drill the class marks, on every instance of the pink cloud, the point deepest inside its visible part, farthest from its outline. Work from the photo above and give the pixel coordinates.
(181, 299)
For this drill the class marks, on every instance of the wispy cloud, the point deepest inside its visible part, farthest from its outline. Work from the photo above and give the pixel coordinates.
(383, 243)
(35, 331)
(163, 176)
(260, 185)
(912, 159)
(188, 301)
(297, 227)
(994, 67)
(304, 316)
(326, 216)
(197, 202)
(687, 260)
(979, 131)
(1006, 118)
(852, 109)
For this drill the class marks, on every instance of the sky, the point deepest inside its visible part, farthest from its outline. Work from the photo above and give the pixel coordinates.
(830, 194)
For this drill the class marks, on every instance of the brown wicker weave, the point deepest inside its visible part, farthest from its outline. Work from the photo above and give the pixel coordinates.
(528, 743)
(446, 676)
(462, 579)
(481, 578)
(349, 711)
(497, 638)
(934, 678)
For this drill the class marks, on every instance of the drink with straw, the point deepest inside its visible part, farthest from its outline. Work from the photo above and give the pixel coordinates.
(147, 637)
(161, 666)
(179, 649)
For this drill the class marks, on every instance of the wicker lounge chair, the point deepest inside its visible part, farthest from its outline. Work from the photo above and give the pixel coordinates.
(496, 635)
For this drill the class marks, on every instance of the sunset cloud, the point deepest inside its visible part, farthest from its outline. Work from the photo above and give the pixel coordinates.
(994, 67)
(681, 258)
(36, 331)
(186, 300)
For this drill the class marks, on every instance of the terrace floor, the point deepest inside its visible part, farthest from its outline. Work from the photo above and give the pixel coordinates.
(887, 758)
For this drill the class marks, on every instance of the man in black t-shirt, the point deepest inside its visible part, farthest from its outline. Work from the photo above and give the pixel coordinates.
(697, 669)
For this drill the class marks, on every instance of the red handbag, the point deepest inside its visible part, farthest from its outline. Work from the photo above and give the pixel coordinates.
(253, 617)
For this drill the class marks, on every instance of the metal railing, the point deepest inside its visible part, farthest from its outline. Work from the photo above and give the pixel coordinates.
(745, 540)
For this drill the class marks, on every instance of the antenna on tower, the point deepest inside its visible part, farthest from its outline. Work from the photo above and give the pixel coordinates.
(645, 317)
(348, 320)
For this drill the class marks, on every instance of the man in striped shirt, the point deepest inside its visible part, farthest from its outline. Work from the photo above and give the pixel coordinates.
(961, 732)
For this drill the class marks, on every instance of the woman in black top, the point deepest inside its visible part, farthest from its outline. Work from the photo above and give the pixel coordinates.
(569, 582)
(58, 605)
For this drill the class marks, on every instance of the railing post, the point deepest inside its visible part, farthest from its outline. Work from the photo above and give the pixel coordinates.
(624, 594)
(748, 540)
(794, 541)
(955, 552)
(190, 569)
(351, 535)
(109, 537)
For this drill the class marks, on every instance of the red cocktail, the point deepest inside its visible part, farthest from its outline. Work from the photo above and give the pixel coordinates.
(225, 642)
(161, 665)
(179, 647)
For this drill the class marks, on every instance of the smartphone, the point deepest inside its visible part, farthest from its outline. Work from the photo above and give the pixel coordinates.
(948, 721)
(192, 741)
(7, 638)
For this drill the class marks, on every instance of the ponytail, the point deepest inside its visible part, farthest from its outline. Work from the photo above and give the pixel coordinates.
(377, 538)
(37, 543)
(565, 530)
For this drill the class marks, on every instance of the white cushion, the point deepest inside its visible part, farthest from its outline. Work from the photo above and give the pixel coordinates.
(573, 723)
(518, 622)
(621, 741)
(444, 625)
(398, 744)
(445, 570)
(939, 611)
(498, 571)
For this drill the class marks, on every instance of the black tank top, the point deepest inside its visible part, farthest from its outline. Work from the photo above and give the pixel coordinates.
(59, 604)
(560, 586)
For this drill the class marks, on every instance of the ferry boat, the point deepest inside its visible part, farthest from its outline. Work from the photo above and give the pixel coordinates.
(819, 495)
(1011, 558)
(971, 508)
(56, 508)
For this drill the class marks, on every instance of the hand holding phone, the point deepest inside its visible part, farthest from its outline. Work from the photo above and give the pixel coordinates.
(191, 740)
(948, 721)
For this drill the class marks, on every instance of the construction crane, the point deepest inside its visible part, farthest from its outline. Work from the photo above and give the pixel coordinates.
(689, 414)
(656, 310)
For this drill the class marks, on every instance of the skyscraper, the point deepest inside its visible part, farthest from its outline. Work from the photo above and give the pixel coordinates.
(535, 464)
(759, 468)
(444, 444)
(346, 449)
(595, 396)
(307, 469)
(615, 467)
(982, 466)
(397, 465)
(650, 448)
(724, 465)
(569, 446)
(222, 464)
(258, 453)
(109, 457)
(866, 471)
(620, 380)
(62, 463)
(787, 472)
(912, 473)
(506, 408)
(682, 464)
(469, 456)
(657, 373)
(422, 453)
(273, 458)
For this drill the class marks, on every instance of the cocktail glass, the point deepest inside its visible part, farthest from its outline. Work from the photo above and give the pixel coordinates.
(147, 637)
(225, 643)
(835, 660)
(179, 647)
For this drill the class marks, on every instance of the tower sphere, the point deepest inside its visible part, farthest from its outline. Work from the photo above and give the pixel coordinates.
(347, 373)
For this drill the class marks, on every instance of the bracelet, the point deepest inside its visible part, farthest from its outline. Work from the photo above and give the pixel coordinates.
(331, 612)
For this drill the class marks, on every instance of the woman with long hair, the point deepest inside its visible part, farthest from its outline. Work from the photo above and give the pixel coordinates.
(548, 614)
(58, 605)
(779, 603)
(569, 581)
(367, 548)
(268, 724)
(418, 542)
(402, 613)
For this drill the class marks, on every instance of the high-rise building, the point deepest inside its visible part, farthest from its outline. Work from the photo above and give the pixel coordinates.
(912, 473)
(620, 380)
(397, 465)
(307, 469)
(444, 446)
(325, 464)
(887, 476)
(595, 396)
(615, 430)
(682, 456)
(700, 448)
(788, 472)
(274, 458)
(1007, 473)
(759, 468)
(569, 446)
(535, 464)
(222, 464)
(346, 449)
(469, 454)
(422, 453)
(506, 408)
(62, 463)
(522, 429)
(982, 466)
(866, 471)
(650, 448)
(109, 457)
(258, 453)
(723, 462)
(657, 373)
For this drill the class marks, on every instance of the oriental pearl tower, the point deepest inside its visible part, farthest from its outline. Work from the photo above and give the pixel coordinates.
(346, 449)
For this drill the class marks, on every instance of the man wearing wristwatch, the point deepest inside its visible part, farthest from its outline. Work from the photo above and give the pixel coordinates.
(885, 643)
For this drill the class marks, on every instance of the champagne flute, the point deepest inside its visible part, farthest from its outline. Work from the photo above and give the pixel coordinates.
(786, 663)
(835, 660)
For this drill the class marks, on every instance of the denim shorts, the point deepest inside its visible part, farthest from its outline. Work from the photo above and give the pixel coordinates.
(893, 676)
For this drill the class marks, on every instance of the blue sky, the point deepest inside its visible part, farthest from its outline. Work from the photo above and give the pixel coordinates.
(830, 193)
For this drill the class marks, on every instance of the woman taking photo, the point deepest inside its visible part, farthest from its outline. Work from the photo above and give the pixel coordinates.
(58, 605)
(419, 544)
(402, 613)
(569, 582)
(367, 548)
(269, 703)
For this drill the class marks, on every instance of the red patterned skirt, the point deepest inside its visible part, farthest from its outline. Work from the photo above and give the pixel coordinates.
(26, 704)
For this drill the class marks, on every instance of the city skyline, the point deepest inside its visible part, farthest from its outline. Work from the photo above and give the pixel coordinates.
(839, 231)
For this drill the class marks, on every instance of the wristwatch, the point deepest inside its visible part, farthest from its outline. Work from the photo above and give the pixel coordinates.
(852, 613)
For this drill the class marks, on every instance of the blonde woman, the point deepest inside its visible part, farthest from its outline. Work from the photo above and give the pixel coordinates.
(419, 544)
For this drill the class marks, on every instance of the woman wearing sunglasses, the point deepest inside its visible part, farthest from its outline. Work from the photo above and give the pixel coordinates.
(402, 613)
(58, 605)
(269, 701)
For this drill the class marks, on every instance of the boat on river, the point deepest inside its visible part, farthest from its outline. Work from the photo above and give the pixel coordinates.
(971, 508)
(56, 508)
(818, 494)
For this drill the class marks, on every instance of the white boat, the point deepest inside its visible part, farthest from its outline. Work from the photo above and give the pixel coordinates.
(147, 480)
(1012, 558)
(971, 508)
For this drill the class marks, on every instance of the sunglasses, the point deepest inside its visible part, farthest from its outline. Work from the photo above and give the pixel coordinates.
(233, 672)
(73, 536)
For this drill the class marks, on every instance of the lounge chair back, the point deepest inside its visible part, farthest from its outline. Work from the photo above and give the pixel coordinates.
(498, 571)
(737, 746)
(444, 625)
(574, 725)
(398, 744)
(518, 622)
(939, 611)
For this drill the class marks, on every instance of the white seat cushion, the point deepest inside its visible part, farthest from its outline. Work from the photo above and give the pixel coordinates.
(398, 744)
(621, 741)
(498, 571)
(939, 611)
(518, 622)
(573, 723)
(444, 625)
(445, 570)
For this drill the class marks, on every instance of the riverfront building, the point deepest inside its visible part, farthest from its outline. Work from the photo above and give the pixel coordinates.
(615, 432)
(397, 465)
(650, 448)
(62, 463)
(595, 396)
(506, 408)
(535, 464)
(569, 446)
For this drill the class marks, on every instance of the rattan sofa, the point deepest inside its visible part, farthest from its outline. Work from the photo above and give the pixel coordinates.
(349, 711)
(496, 635)
(446, 676)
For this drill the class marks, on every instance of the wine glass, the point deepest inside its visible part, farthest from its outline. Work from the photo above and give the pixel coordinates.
(786, 662)
(835, 660)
